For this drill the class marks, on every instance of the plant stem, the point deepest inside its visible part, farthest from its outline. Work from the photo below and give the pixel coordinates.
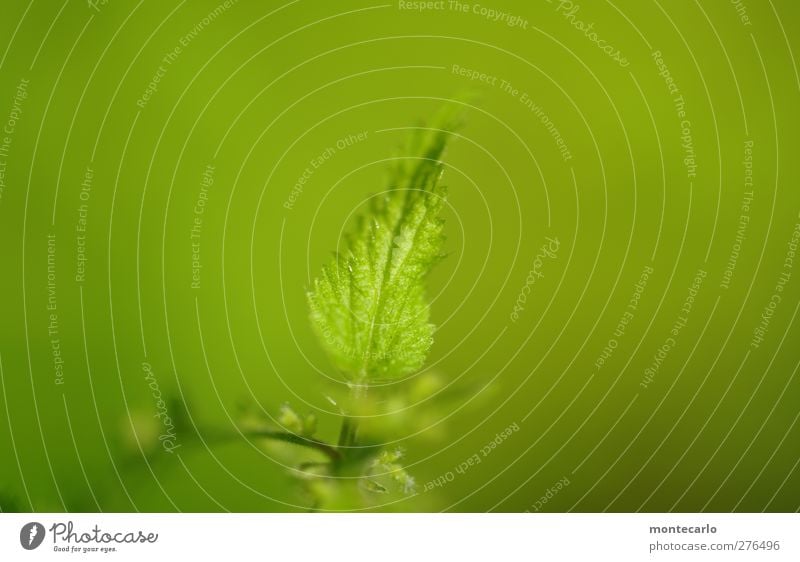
(349, 431)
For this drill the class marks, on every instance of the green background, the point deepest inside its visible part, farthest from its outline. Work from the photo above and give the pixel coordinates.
(263, 89)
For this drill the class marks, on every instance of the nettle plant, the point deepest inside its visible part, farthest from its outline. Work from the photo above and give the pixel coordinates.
(371, 314)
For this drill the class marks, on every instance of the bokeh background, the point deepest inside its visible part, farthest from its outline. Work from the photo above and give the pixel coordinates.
(154, 245)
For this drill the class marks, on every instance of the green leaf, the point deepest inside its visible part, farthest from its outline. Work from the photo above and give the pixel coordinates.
(368, 307)
(385, 469)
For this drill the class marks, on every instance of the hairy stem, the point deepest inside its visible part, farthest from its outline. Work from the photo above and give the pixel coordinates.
(349, 432)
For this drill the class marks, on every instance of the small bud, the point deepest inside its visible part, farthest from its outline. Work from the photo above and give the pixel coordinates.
(310, 425)
(289, 419)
